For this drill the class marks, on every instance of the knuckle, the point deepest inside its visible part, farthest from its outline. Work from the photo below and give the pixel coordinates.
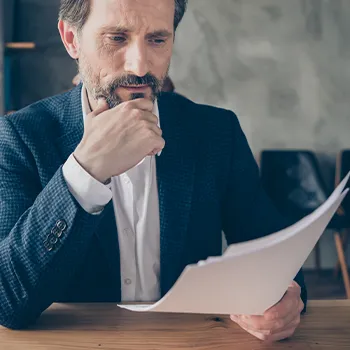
(258, 326)
(128, 105)
(275, 315)
(144, 124)
(233, 318)
(150, 134)
(280, 324)
(137, 114)
(264, 337)
(268, 332)
(124, 107)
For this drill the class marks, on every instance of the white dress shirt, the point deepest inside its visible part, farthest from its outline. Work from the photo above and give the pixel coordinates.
(136, 207)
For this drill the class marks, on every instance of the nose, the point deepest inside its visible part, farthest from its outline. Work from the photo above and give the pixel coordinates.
(136, 61)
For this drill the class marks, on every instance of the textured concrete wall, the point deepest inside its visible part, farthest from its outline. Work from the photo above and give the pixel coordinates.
(282, 65)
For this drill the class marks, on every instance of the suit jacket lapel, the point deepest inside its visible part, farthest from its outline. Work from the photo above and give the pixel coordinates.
(175, 177)
(107, 234)
(72, 125)
(72, 133)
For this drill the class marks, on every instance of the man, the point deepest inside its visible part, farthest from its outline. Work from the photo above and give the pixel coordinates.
(110, 190)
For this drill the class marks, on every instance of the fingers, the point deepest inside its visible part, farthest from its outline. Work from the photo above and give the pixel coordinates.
(279, 322)
(142, 115)
(153, 134)
(278, 317)
(268, 335)
(270, 338)
(260, 334)
(143, 104)
(154, 152)
(290, 303)
(284, 334)
(150, 126)
(102, 106)
(254, 323)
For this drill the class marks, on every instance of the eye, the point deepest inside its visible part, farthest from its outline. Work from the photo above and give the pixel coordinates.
(117, 38)
(157, 41)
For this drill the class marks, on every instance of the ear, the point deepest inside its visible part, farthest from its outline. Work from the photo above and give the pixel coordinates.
(69, 38)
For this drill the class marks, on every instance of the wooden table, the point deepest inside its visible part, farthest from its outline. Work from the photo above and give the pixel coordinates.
(105, 326)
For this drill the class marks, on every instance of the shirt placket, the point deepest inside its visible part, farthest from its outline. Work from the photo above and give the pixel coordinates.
(128, 239)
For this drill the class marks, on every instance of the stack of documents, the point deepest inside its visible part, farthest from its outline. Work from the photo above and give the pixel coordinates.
(249, 277)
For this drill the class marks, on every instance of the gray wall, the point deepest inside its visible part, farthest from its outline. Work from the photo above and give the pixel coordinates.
(282, 65)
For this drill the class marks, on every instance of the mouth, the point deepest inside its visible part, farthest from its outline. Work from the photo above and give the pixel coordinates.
(136, 88)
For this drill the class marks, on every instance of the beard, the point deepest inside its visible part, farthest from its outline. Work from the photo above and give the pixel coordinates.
(108, 92)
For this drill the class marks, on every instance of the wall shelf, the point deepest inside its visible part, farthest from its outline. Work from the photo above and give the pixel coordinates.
(20, 46)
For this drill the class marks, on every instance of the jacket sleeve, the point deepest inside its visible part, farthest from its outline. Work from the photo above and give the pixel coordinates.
(44, 233)
(249, 212)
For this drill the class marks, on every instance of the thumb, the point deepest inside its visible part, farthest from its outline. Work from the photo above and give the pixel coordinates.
(102, 106)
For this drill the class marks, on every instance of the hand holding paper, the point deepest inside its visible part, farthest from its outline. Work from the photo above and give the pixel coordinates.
(252, 276)
(277, 323)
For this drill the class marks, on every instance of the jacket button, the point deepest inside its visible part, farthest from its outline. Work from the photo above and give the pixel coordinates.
(48, 245)
(61, 225)
(56, 232)
(52, 239)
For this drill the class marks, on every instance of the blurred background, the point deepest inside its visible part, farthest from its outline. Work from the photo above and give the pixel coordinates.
(283, 66)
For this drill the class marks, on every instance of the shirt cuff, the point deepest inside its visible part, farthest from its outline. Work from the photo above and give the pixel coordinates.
(91, 194)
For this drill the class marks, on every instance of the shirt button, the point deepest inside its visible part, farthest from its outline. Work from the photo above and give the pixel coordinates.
(126, 180)
(127, 281)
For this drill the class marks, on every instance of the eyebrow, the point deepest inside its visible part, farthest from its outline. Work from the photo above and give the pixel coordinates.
(160, 33)
(120, 29)
(115, 29)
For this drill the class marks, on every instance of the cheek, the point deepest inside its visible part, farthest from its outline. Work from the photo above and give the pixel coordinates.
(110, 64)
(159, 61)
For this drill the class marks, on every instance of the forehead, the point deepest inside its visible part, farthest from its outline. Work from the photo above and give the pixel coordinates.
(133, 14)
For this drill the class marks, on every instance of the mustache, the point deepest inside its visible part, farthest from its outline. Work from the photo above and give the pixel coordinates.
(134, 80)
(108, 91)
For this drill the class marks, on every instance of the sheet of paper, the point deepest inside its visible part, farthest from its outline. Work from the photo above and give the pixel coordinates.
(252, 276)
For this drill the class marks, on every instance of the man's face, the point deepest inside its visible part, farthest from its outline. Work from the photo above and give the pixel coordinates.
(125, 48)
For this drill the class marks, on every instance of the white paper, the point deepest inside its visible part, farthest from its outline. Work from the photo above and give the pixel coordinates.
(252, 276)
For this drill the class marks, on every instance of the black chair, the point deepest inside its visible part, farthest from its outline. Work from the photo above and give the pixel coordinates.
(342, 169)
(293, 180)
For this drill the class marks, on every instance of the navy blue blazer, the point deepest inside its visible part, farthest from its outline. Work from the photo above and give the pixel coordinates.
(51, 250)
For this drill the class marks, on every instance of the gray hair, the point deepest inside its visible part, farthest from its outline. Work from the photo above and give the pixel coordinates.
(76, 12)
